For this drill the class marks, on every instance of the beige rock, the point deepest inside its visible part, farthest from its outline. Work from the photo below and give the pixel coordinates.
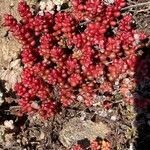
(77, 129)
(9, 124)
(11, 75)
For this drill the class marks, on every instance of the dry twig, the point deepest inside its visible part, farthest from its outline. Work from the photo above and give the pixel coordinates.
(136, 5)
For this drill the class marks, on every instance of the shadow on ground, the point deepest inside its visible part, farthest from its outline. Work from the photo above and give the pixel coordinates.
(142, 100)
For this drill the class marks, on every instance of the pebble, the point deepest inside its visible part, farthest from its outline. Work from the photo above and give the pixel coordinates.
(83, 115)
(18, 141)
(12, 4)
(113, 118)
(80, 98)
(9, 124)
(42, 5)
(102, 113)
(42, 135)
(131, 147)
(110, 111)
(50, 5)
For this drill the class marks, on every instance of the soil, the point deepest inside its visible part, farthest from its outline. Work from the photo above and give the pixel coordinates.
(129, 127)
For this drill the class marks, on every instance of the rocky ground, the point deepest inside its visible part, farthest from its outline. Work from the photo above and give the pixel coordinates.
(121, 126)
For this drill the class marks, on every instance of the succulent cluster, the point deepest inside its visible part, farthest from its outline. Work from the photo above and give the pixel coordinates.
(74, 54)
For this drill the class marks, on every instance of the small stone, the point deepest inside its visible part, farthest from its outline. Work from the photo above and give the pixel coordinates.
(9, 124)
(18, 141)
(42, 135)
(42, 5)
(97, 104)
(110, 110)
(117, 83)
(80, 98)
(41, 13)
(12, 4)
(102, 113)
(49, 5)
(83, 115)
(113, 118)
(58, 7)
(131, 147)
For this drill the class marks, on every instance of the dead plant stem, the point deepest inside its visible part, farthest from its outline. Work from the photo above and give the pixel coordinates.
(136, 5)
